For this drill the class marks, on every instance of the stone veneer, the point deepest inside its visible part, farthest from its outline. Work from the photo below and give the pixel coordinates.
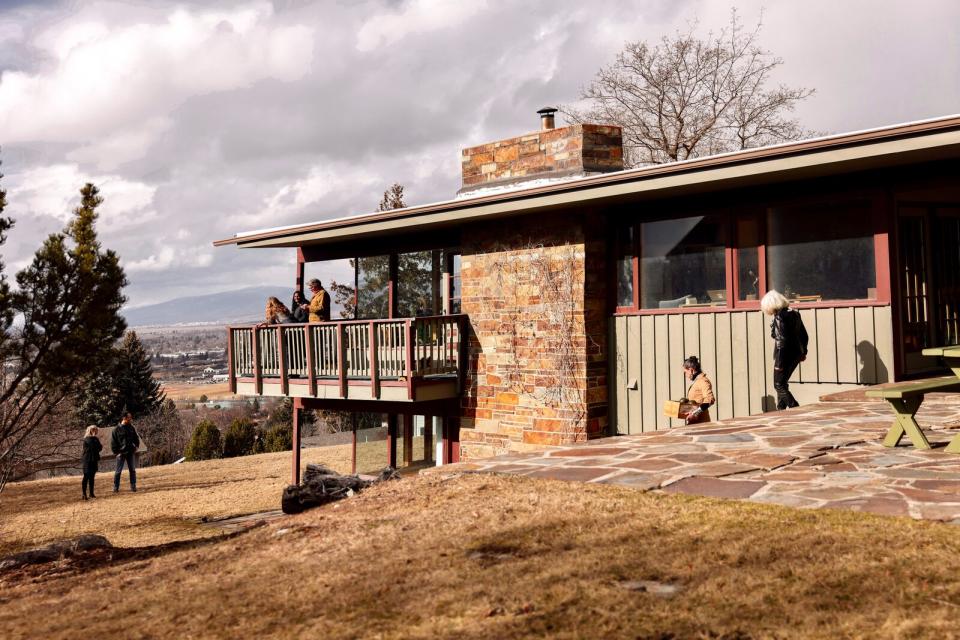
(535, 295)
(579, 149)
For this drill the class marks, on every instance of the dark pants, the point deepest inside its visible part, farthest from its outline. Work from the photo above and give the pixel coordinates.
(89, 471)
(781, 382)
(131, 460)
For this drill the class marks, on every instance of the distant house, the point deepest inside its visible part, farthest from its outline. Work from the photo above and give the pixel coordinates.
(220, 377)
(555, 298)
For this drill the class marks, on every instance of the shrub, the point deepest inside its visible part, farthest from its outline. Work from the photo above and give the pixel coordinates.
(203, 399)
(279, 437)
(239, 439)
(204, 443)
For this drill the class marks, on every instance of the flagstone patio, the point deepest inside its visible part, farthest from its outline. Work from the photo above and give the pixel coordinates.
(825, 455)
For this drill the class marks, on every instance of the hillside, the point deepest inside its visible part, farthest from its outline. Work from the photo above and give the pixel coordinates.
(470, 556)
(241, 305)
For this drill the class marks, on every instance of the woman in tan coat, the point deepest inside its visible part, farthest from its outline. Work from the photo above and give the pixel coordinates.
(700, 392)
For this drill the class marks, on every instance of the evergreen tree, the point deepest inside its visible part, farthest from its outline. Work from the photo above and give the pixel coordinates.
(139, 390)
(67, 303)
(278, 437)
(239, 439)
(125, 383)
(204, 443)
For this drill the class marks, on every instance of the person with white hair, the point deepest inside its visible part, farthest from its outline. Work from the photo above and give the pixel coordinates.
(790, 344)
(91, 458)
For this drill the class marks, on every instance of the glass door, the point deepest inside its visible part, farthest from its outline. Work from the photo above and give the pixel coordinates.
(929, 258)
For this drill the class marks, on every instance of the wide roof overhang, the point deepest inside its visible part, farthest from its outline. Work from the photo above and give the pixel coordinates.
(911, 143)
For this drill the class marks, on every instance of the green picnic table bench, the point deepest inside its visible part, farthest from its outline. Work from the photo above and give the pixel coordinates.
(905, 399)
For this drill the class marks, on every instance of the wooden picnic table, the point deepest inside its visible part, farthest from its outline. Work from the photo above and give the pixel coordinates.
(905, 399)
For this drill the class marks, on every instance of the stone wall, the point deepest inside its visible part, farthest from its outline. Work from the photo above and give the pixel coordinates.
(579, 149)
(535, 297)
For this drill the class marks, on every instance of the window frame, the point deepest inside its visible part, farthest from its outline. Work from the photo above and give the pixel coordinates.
(757, 212)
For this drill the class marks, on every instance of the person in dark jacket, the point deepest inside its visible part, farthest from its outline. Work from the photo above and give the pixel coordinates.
(790, 345)
(91, 458)
(124, 445)
(299, 307)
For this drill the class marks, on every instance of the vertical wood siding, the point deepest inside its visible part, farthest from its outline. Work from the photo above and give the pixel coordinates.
(848, 345)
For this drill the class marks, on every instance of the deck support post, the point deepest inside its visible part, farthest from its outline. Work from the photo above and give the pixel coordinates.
(454, 438)
(407, 439)
(428, 438)
(392, 440)
(445, 439)
(297, 409)
(353, 454)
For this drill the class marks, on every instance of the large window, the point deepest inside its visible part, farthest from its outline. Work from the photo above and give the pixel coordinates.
(626, 247)
(373, 287)
(821, 252)
(682, 263)
(813, 252)
(418, 274)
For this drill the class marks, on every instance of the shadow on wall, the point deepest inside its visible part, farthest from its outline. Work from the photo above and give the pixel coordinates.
(769, 403)
(872, 369)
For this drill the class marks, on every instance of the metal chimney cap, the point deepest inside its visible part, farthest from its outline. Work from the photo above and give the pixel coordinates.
(547, 111)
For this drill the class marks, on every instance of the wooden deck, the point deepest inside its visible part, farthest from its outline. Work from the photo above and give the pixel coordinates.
(405, 359)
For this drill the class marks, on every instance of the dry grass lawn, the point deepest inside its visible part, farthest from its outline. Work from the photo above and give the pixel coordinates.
(168, 506)
(495, 557)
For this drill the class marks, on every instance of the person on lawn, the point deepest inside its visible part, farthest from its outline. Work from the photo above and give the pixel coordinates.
(124, 444)
(91, 458)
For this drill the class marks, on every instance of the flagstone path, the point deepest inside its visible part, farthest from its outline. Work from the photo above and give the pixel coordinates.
(826, 455)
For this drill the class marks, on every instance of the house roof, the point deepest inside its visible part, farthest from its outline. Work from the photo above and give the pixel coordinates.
(919, 141)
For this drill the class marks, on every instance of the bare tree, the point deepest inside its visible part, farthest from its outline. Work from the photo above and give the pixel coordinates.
(689, 96)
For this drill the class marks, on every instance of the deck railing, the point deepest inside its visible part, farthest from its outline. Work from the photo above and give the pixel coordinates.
(373, 350)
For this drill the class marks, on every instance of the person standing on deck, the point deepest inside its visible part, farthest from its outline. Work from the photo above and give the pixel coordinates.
(319, 303)
(790, 345)
(700, 392)
(91, 458)
(124, 444)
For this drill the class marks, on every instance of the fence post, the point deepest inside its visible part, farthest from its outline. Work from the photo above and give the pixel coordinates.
(341, 361)
(311, 372)
(282, 362)
(409, 337)
(231, 365)
(257, 380)
(374, 364)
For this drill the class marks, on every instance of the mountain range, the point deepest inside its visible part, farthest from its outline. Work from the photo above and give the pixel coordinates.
(239, 306)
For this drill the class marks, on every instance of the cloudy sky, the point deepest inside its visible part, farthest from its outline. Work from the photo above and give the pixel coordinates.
(202, 119)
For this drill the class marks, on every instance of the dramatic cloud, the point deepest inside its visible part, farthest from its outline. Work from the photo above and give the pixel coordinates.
(201, 119)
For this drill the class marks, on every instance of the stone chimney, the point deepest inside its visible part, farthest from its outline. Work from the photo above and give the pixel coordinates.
(544, 156)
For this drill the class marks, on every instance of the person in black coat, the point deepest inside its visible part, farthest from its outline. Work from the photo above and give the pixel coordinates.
(124, 445)
(91, 458)
(299, 308)
(790, 345)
